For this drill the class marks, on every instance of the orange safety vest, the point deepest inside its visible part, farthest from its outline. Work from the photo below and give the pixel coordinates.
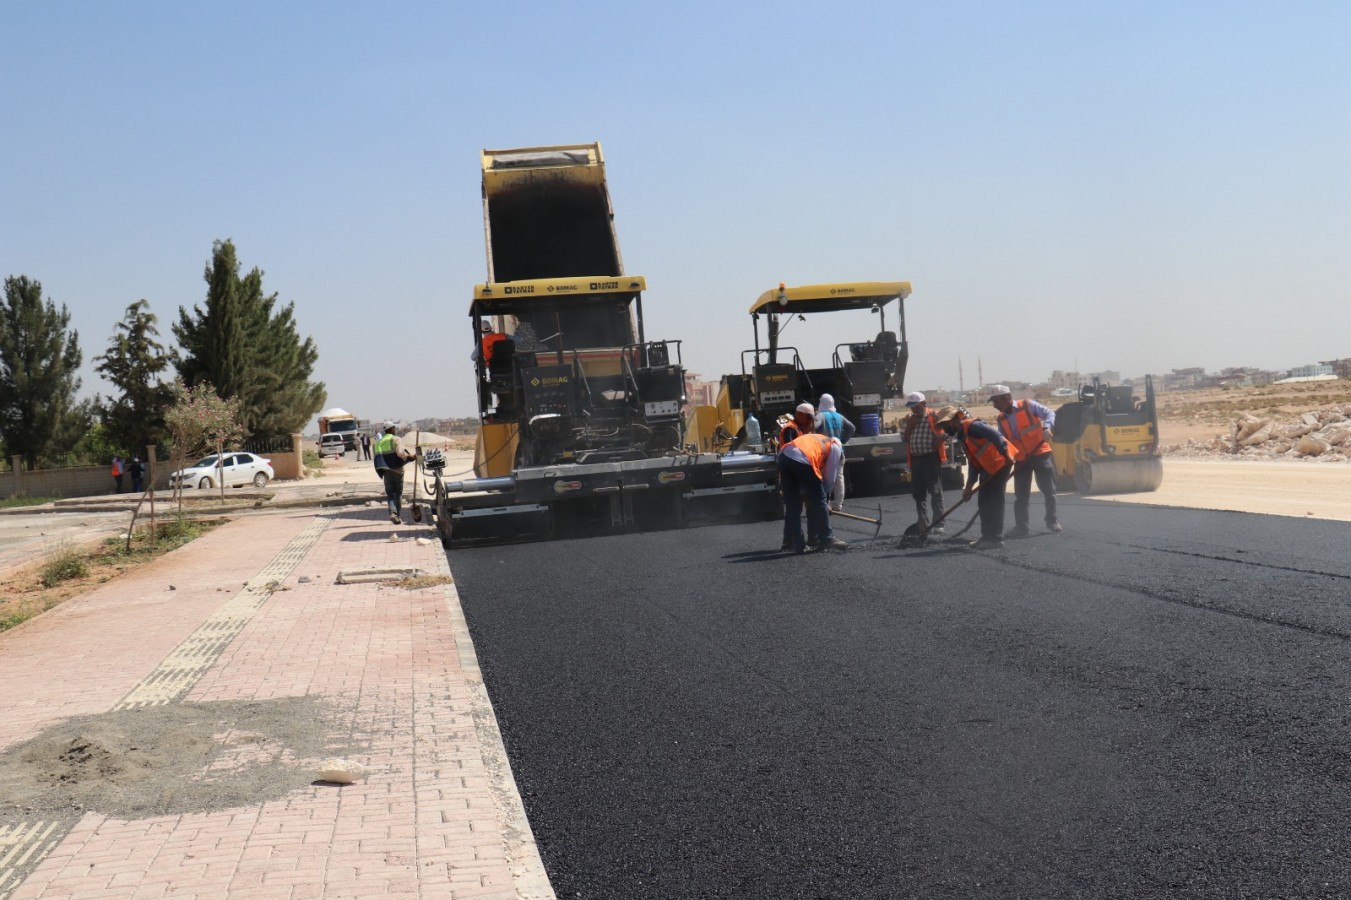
(486, 347)
(985, 453)
(117, 469)
(816, 447)
(940, 439)
(784, 440)
(1024, 430)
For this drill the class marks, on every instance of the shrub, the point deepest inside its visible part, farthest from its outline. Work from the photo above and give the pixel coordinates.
(64, 564)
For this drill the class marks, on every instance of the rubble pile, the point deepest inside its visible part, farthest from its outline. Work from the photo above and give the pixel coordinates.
(1323, 434)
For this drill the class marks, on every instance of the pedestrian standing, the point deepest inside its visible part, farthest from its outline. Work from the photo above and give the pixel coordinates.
(1027, 425)
(806, 465)
(118, 467)
(990, 461)
(926, 448)
(830, 422)
(390, 458)
(137, 472)
(365, 446)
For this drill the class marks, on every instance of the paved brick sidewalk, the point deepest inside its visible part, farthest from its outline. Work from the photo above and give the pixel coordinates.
(230, 618)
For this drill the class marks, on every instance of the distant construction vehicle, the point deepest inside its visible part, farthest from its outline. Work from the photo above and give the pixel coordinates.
(581, 412)
(861, 376)
(1107, 441)
(341, 422)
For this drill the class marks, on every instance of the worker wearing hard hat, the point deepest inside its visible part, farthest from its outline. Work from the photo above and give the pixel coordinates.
(926, 448)
(990, 461)
(390, 458)
(802, 422)
(806, 465)
(1027, 425)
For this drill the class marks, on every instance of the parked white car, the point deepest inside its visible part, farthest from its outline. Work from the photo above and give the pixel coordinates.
(331, 445)
(230, 469)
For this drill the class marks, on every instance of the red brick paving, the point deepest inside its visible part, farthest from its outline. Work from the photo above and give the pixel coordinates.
(434, 818)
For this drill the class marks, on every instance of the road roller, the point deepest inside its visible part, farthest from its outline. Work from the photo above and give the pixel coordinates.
(1107, 441)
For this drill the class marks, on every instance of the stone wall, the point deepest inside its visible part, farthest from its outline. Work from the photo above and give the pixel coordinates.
(97, 481)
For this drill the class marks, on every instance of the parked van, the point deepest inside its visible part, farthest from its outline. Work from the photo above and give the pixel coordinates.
(331, 445)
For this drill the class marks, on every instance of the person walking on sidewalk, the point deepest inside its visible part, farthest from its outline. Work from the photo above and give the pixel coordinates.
(390, 458)
(806, 465)
(137, 472)
(1027, 425)
(118, 471)
(990, 461)
(926, 448)
(830, 422)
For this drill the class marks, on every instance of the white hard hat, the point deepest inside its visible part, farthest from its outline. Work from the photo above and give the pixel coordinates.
(806, 409)
(999, 390)
(914, 399)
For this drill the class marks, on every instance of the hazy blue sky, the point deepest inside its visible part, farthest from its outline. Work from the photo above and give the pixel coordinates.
(1136, 186)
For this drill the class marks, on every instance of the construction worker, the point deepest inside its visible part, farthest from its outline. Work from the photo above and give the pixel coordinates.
(803, 421)
(1027, 425)
(990, 463)
(390, 458)
(830, 422)
(806, 465)
(926, 448)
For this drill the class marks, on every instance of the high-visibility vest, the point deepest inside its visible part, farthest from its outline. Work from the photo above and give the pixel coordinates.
(940, 439)
(1024, 430)
(816, 447)
(985, 453)
(117, 468)
(486, 346)
(384, 456)
(785, 438)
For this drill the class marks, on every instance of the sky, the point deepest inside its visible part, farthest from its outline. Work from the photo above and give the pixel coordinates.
(1134, 187)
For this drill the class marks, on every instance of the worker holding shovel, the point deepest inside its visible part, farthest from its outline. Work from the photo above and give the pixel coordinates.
(990, 464)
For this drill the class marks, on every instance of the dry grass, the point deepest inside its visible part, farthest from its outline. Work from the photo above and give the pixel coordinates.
(70, 570)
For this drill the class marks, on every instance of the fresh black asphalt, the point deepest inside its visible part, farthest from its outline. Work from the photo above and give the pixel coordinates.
(1154, 703)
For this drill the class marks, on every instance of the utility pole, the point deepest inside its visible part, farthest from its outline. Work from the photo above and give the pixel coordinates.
(980, 373)
(961, 381)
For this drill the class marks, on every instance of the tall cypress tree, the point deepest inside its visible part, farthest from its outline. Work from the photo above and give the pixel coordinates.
(250, 349)
(134, 363)
(39, 417)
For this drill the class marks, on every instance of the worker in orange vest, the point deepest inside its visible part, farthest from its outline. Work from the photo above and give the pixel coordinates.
(1027, 425)
(802, 422)
(806, 465)
(990, 460)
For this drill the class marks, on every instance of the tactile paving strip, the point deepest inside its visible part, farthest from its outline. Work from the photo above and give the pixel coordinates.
(187, 662)
(23, 845)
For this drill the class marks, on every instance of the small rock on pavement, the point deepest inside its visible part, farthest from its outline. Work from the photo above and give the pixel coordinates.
(341, 771)
(422, 542)
(304, 579)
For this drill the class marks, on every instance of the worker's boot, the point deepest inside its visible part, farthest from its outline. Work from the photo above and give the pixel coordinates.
(1018, 531)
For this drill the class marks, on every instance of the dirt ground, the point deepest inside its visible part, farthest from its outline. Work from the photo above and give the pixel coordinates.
(1205, 414)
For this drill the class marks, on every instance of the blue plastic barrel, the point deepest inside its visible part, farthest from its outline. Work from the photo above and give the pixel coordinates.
(869, 425)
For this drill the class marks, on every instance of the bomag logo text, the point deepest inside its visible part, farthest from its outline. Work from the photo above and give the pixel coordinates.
(551, 380)
(842, 290)
(776, 378)
(562, 288)
(522, 289)
(604, 285)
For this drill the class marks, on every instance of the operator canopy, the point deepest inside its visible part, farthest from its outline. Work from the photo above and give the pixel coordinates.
(812, 298)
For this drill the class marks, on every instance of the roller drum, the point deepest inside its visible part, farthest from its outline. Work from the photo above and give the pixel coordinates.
(1135, 475)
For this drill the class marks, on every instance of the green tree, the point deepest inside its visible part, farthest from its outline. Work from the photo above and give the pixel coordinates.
(250, 349)
(39, 416)
(197, 419)
(134, 363)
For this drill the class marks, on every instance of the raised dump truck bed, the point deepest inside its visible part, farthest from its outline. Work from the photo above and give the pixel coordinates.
(581, 413)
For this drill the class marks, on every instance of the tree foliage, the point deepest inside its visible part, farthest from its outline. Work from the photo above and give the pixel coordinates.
(198, 419)
(39, 416)
(248, 346)
(135, 362)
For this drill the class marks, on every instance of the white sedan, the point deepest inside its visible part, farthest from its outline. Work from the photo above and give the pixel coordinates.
(230, 469)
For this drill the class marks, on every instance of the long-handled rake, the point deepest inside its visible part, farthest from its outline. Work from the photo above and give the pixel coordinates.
(858, 518)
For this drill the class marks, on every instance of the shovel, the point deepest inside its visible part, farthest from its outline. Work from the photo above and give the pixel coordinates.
(916, 534)
(858, 518)
(417, 462)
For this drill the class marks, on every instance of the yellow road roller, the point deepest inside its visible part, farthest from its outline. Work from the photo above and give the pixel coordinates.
(1107, 441)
